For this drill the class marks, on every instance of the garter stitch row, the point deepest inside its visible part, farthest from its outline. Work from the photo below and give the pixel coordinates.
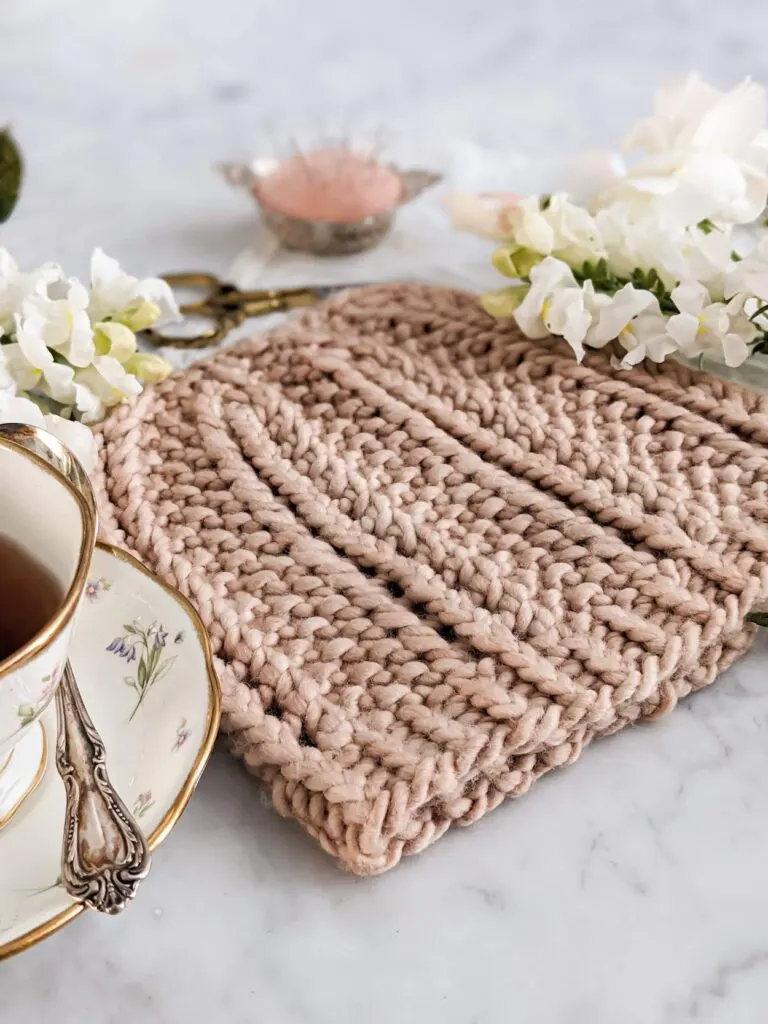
(435, 558)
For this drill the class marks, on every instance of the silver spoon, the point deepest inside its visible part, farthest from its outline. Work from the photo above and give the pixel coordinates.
(105, 855)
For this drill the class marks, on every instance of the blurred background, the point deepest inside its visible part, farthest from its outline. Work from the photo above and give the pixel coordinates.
(122, 108)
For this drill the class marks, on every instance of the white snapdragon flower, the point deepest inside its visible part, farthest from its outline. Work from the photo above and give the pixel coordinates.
(639, 244)
(17, 369)
(660, 233)
(741, 333)
(700, 324)
(116, 295)
(101, 385)
(555, 304)
(73, 349)
(715, 327)
(556, 228)
(76, 436)
(750, 275)
(484, 214)
(707, 257)
(646, 337)
(531, 228)
(547, 277)
(16, 286)
(705, 157)
(612, 313)
(675, 253)
(576, 235)
(32, 365)
(57, 354)
(566, 314)
(59, 315)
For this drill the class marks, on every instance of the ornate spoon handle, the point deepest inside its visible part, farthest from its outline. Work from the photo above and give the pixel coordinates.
(105, 855)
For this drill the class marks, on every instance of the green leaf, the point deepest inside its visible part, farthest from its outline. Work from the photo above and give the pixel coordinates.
(608, 282)
(502, 302)
(707, 226)
(131, 630)
(141, 674)
(544, 201)
(163, 670)
(10, 174)
(759, 618)
(154, 657)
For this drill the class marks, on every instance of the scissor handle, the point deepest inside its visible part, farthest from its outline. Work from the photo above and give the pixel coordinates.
(192, 279)
(227, 307)
(206, 307)
(225, 323)
(219, 297)
(210, 286)
(260, 299)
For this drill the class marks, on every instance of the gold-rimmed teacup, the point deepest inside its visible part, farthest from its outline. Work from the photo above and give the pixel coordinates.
(46, 509)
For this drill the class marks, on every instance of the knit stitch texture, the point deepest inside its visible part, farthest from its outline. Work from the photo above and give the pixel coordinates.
(435, 558)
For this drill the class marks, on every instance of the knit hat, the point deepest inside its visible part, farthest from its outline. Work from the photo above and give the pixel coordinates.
(436, 558)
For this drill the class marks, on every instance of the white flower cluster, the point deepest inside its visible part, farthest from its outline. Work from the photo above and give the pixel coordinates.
(67, 352)
(649, 260)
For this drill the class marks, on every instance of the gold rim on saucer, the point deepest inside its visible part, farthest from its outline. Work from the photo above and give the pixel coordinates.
(42, 931)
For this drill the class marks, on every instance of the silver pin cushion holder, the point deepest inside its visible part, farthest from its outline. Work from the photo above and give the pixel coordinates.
(322, 237)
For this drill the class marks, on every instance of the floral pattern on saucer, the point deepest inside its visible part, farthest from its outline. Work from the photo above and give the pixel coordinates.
(95, 588)
(30, 688)
(147, 643)
(182, 735)
(154, 758)
(33, 702)
(143, 803)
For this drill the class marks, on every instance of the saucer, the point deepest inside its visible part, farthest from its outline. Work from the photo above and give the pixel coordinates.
(22, 770)
(143, 663)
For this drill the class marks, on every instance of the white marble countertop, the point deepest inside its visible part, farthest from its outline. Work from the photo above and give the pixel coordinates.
(631, 888)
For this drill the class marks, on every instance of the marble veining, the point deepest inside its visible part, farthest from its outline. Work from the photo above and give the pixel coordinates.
(631, 888)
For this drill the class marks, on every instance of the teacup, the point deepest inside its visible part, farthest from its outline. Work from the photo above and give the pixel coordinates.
(47, 510)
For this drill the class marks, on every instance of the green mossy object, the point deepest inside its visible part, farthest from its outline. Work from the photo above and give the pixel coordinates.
(10, 174)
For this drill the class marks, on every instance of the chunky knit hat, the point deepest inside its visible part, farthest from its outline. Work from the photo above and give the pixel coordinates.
(435, 558)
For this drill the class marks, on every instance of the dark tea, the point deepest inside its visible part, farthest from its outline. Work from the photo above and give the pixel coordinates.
(29, 597)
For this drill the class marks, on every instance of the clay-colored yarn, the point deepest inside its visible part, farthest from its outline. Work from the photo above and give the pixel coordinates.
(437, 559)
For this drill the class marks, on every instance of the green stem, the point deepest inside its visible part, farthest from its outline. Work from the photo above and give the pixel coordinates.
(138, 705)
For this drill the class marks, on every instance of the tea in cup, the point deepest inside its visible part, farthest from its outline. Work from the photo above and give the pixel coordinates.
(47, 537)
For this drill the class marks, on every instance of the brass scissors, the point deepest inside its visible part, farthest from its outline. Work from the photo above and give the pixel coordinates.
(228, 307)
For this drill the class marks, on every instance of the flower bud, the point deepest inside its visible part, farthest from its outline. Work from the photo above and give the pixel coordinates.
(502, 302)
(148, 367)
(515, 262)
(141, 315)
(113, 339)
